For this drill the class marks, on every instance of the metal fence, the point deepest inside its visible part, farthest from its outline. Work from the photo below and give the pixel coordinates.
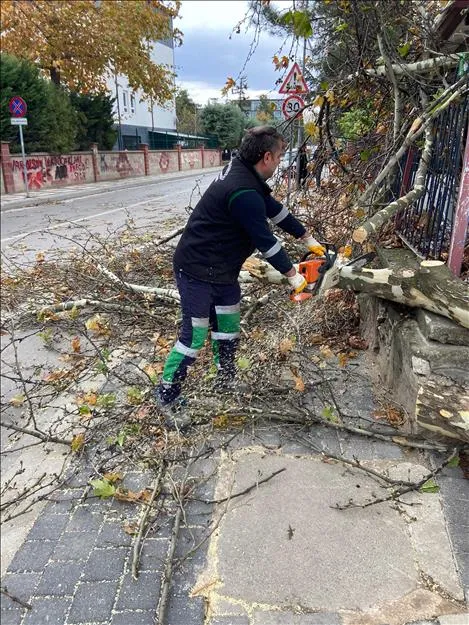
(170, 140)
(426, 225)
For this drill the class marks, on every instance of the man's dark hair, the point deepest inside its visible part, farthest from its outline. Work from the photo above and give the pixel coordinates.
(257, 141)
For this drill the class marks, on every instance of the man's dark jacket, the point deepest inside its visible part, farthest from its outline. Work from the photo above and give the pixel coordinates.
(229, 223)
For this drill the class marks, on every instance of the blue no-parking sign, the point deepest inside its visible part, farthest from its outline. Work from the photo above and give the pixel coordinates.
(17, 106)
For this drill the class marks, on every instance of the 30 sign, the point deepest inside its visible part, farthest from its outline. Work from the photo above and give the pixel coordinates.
(292, 106)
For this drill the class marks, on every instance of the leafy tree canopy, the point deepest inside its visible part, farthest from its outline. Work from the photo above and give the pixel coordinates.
(186, 113)
(265, 110)
(79, 42)
(226, 122)
(95, 121)
(51, 118)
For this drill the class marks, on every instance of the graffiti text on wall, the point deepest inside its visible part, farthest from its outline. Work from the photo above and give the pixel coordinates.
(51, 170)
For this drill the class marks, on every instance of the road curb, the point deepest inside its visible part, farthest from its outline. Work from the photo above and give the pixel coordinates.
(110, 187)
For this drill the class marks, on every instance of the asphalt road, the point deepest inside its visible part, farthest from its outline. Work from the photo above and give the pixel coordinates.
(60, 224)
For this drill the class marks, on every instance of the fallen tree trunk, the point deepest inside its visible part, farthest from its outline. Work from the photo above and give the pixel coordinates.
(432, 287)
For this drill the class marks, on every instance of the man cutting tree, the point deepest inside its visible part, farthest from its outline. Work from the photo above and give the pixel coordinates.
(227, 225)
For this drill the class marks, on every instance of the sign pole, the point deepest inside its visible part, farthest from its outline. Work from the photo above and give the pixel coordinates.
(25, 173)
(289, 166)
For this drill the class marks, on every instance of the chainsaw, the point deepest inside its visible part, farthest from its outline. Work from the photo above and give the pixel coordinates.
(321, 273)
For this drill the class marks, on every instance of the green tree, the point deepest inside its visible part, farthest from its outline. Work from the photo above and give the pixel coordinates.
(51, 118)
(78, 42)
(226, 122)
(95, 121)
(265, 110)
(186, 113)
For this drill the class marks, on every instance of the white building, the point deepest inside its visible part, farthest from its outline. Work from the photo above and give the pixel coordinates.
(135, 119)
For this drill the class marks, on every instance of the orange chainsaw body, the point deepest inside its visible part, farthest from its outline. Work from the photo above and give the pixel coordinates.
(310, 269)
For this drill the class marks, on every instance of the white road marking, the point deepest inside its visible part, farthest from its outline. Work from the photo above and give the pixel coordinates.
(82, 197)
(64, 224)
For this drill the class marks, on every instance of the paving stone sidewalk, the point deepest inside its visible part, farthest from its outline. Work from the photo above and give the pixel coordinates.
(74, 567)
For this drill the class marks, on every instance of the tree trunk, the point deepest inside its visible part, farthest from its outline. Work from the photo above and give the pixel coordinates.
(432, 287)
(443, 408)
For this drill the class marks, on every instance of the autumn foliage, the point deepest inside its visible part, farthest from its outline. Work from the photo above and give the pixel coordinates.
(79, 43)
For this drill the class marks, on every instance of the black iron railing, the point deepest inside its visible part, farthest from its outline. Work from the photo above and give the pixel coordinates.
(426, 225)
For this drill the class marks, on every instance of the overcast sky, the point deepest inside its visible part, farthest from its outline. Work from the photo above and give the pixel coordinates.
(208, 55)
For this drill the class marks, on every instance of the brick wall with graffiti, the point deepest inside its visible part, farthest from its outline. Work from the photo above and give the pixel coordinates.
(191, 159)
(45, 170)
(116, 165)
(163, 162)
(212, 158)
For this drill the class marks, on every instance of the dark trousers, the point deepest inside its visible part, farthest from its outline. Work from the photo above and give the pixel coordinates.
(204, 305)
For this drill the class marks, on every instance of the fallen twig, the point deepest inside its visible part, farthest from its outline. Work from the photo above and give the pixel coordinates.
(395, 494)
(168, 569)
(141, 527)
(43, 437)
(243, 492)
(5, 592)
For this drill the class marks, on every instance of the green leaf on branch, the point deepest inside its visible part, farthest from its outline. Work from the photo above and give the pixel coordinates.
(243, 363)
(404, 49)
(329, 415)
(74, 313)
(103, 488)
(365, 155)
(341, 27)
(106, 400)
(430, 486)
(300, 22)
(454, 462)
(135, 395)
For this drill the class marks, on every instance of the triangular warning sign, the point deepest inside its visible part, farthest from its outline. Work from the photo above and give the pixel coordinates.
(294, 82)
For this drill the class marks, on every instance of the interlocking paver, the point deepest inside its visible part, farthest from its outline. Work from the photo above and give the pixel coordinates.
(153, 554)
(105, 564)
(48, 526)
(32, 556)
(12, 616)
(59, 578)
(75, 545)
(134, 618)
(112, 534)
(20, 585)
(92, 602)
(140, 594)
(183, 610)
(48, 611)
(84, 520)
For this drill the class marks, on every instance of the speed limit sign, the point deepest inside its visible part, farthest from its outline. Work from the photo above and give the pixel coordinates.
(292, 106)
